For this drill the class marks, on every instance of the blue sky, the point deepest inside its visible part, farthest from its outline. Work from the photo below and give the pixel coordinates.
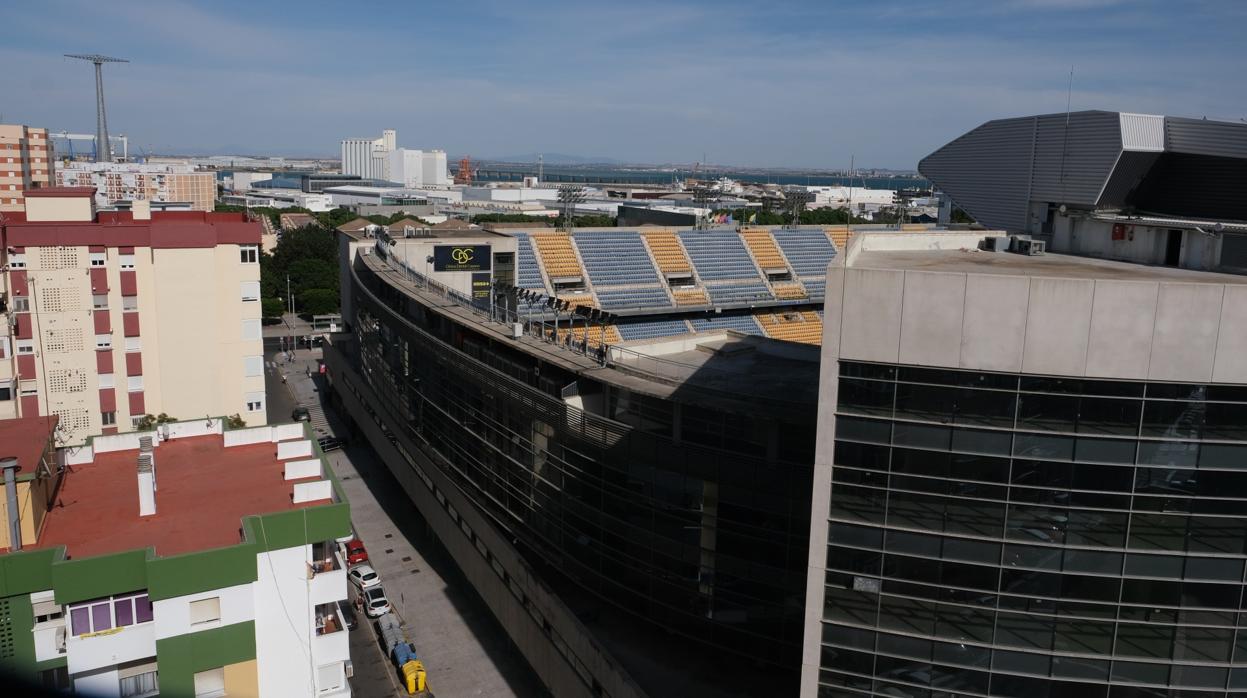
(801, 84)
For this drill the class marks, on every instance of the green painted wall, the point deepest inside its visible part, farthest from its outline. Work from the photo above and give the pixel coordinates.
(17, 623)
(102, 575)
(27, 571)
(179, 658)
(180, 575)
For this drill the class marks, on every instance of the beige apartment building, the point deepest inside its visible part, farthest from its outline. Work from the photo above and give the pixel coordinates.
(24, 164)
(116, 181)
(119, 314)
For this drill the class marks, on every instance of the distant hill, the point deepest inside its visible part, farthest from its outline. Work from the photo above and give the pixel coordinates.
(557, 159)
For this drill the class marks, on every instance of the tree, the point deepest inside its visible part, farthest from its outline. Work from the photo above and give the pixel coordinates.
(318, 301)
(234, 421)
(272, 307)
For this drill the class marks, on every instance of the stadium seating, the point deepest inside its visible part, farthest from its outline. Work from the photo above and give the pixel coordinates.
(527, 271)
(595, 334)
(816, 289)
(667, 252)
(651, 330)
(557, 255)
(806, 327)
(615, 258)
(788, 291)
(763, 248)
(690, 296)
(743, 292)
(840, 235)
(809, 251)
(636, 297)
(719, 255)
(741, 323)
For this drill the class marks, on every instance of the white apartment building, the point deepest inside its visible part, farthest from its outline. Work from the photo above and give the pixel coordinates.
(125, 313)
(114, 182)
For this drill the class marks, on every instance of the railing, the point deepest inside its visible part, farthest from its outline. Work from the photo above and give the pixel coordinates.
(559, 331)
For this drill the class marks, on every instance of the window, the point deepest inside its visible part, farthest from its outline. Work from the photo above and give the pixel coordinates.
(17, 261)
(255, 402)
(108, 419)
(253, 366)
(250, 329)
(135, 685)
(250, 290)
(5, 348)
(107, 380)
(25, 346)
(136, 421)
(129, 303)
(134, 383)
(99, 301)
(134, 344)
(6, 393)
(250, 254)
(21, 304)
(107, 613)
(98, 259)
(127, 261)
(29, 387)
(205, 610)
(103, 341)
(210, 683)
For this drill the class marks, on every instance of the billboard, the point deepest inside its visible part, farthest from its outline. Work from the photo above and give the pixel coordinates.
(461, 258)
(480, 288)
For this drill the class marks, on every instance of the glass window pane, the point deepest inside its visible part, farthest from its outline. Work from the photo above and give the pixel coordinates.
(927, 403)
(1173, 420)
(124, 610)
(1175, 453)
(870, 430)
(1222, 421)
(142, 609)
(1223, 456)
(1040, 446)
(922, 436)
(866, 397)
(101, 617)
(80, 620)
(1047, 412)
(985, 407)
(1084, 637)
(1203, 644)
(980, 441)
(862, 455)
(857, 369)
(1108, 416)
(1104, 450)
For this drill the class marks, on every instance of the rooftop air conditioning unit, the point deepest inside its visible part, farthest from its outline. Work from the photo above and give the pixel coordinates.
(1030, 247)
(996, 243)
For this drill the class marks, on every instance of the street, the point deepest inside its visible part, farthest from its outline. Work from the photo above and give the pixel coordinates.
(464, 650)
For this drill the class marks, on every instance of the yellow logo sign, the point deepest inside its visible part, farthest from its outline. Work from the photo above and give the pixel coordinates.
(461, 255)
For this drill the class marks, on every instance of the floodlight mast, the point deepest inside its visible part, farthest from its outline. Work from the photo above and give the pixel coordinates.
(569, 196)
(103, 149)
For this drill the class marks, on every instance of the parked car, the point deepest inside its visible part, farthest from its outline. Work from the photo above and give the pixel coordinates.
(375, 603)
(363, 577)
(329, 443)
(301, 414)
(348, 615)
(356, 553)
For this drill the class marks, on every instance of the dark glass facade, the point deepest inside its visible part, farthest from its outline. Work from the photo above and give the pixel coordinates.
(1029, 536)
(691, 519)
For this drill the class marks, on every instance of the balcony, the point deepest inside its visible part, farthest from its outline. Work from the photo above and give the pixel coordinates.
(326, 574)
(331, 642)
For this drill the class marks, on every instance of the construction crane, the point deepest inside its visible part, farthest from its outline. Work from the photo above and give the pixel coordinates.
(464, 175)
(103, 149)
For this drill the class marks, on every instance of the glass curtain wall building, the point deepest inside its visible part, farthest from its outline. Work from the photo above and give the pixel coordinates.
(1033, 477)
(683, 510)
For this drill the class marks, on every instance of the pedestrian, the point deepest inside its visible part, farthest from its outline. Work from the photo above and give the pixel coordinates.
(283, 379)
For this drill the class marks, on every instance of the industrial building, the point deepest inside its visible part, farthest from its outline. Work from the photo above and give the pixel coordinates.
(189, 560)
(368, 157)
(1028, 478)
(1133, 187)
(118, 314)
(25, 163)
(118, 182)
(382, 159)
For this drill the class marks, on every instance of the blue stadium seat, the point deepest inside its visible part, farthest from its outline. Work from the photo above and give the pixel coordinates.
(719, 255)
(615, 258)
(808, 251)
(740, 323)
(650, 330)
(624, 298)
(721, 294)
(527, 272)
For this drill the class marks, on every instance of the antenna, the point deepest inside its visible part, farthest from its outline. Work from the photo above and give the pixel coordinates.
(1069, 98)
(541, 168)
(103, 149)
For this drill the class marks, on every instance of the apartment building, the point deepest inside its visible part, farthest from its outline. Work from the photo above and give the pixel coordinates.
(24, 164)
(115, 181)
(224, 580)
(118, 314)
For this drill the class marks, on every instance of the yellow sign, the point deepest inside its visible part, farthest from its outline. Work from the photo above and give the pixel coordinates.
(102, 633)
(462, 255)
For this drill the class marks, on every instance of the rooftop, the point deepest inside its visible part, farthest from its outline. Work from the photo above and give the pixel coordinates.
(973, 261)
(26, 439)
(61, 192)
(203, 491)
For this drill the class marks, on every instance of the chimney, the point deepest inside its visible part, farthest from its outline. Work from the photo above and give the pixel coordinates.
(147, 485)
(10, 499)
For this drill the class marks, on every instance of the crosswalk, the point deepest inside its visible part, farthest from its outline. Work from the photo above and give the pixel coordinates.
(319, 423)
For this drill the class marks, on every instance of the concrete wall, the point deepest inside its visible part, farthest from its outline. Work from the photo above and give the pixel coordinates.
(172, 616)
(284, 622)
(1141, 330)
